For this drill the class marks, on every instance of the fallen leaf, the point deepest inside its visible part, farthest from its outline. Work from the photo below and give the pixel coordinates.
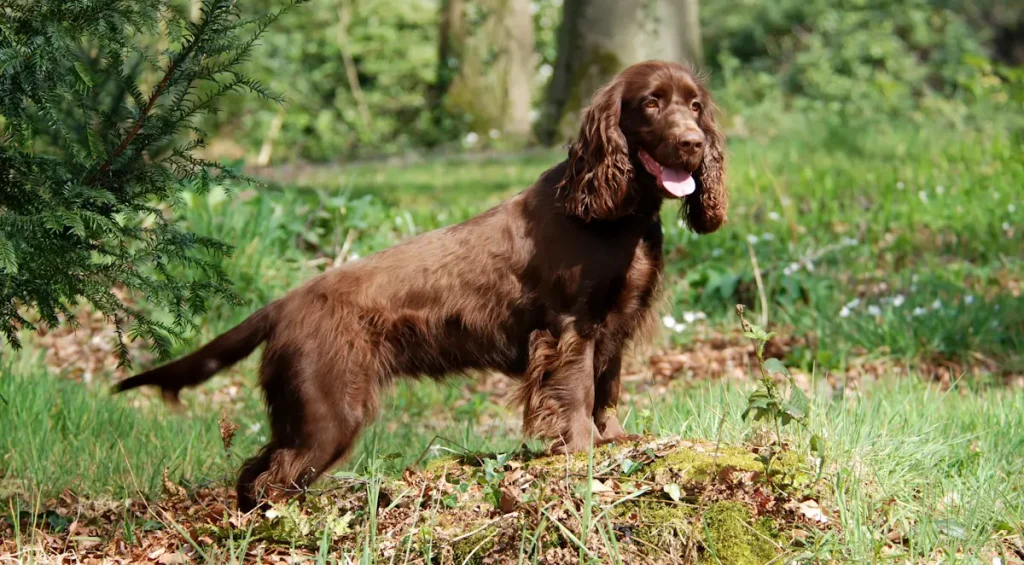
(173, 558)
(171, 490)
(809, 509)
(227, 429)
(673, 491)
(508, 503)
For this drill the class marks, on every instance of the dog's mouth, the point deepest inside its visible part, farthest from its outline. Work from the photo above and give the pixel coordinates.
(677, 182)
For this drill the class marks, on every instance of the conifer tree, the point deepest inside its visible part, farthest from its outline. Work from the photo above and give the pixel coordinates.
(99, 106)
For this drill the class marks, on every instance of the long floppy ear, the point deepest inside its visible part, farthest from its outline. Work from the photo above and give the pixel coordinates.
(597, 182)
(707, 207)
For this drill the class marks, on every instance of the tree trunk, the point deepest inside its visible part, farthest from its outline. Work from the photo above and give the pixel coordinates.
(520, 61)
(451, 40)
(599, 38)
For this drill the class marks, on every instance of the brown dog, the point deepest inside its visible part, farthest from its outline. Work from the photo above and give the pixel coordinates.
(547, 287)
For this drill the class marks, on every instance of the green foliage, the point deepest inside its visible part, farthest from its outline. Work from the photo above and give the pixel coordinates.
(767, 401)
(854, 60)
(99, 135)
(393, 46)
(388, 107)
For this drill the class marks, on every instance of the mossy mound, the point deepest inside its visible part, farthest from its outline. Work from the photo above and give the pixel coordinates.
(657, 501)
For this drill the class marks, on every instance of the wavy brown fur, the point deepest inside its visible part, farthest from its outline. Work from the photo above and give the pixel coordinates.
(548, 287)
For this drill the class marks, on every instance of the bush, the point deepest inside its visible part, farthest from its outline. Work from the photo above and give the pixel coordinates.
(90, 162)
(856, 58)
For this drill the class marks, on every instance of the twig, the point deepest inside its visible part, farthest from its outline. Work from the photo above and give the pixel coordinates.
(426, 449)
(350, 238)
(267, 149)
(350, 65)
(483, 527)
(760, 286)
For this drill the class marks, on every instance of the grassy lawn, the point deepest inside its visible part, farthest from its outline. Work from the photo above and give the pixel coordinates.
(891, 269)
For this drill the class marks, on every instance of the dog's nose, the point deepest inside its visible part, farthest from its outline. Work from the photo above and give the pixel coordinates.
(692, 141)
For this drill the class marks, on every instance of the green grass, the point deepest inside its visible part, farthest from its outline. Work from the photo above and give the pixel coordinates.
(863, 257)
(940, 468)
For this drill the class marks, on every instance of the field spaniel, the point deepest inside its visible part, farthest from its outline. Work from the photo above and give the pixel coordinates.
(548, 287)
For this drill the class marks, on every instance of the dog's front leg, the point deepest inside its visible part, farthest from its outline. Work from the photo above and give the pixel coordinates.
(558, 394)
(607, 400)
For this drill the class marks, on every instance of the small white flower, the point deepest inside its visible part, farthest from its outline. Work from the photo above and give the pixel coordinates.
(898, 300)
(995, 323)
(849, 241)
(874, 310)
(716, 252)
(534, 114)
(494, 134)
(679, 328)
(680, 223)
(691, 317)
(669, 321)
(937, 304)
(919, 311)
(853, 303)
(1006, 226)
(751, 239)
(791, 268)
(940, 189)
(255, 427)
(997, 561)
(844, 312)
(923, 195)
(810, 266)
(913, 278)
(1011, 208)
(545, 71)
(969, 299)
(767, 236)
(900, 185)
(774, 216)
(471, 138)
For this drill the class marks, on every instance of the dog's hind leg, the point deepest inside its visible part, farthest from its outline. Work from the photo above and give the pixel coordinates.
(310, 434)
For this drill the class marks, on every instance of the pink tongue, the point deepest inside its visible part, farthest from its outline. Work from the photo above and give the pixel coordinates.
(679, 183)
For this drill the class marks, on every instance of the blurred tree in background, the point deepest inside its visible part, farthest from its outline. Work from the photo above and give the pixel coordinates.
(598, 38)
(365, 78)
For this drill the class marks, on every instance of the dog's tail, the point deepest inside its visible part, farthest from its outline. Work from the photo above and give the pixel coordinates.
(224, 351)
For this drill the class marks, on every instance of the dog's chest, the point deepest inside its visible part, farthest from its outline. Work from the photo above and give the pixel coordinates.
(633, 292)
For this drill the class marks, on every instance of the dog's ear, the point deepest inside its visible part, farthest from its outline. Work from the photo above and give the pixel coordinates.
(597, 183)
(707, 207)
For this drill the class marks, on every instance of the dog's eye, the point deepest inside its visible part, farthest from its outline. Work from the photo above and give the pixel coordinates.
(651, 103)
(695, 106)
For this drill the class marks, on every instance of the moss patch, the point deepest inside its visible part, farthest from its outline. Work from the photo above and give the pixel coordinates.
(474, 548)
(666, 500)
(734, 538)
(663, 524)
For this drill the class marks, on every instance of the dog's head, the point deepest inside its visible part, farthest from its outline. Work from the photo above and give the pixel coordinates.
(650, 131)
